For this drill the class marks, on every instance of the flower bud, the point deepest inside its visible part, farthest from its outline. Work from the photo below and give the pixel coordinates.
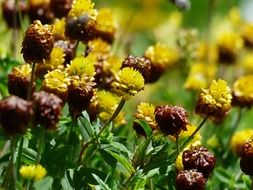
(246, 162)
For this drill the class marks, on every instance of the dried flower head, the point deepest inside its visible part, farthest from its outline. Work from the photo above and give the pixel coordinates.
(60, 8)
(239, 138)
(229, 45)
(106, 25)
(38, 43)
(56, 82)
(140, 64)
(161, 57)
(79, 96)
(243, 91)
(199, 158)
(82, 67)
(190, 180)
(33, 172)
(146, 112)
(246, 162)
(11, 11)
(171, 120)
(215, 102)
(128, 82)
(47, 109)
(15, 114)
(247, 30)
(19, 80)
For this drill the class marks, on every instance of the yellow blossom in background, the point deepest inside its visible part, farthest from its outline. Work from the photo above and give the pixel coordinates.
(243, 91)
(146, 112)
(239, 138)
(38, 2)
(83, 66)
(190, 130)
(128, 82)
(213, 142)
(105, 21)
(107, 100)
(33, 172)
(113, 64)
(160, 54)
(205, 52)
(215, 101)
(247, 63)
(56, 58)
(235, 16)
(99, 48)
(59, 27)
(200, 76)
(81, 7)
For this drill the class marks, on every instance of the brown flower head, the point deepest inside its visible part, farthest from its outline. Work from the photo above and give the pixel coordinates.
(11, 12)
(39, 10)
(47, 109)
(60, 8)
(246, 162)
(79, 95)
(171, 119)
(140, 64)
(15, 114)
(19, 80)
(81, 28)
(38, 43)
(190, 180)
(199, 158)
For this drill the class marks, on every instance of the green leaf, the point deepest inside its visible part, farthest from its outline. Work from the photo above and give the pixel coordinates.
(222, 175)
(145, 127)
(140, 184)
(45, 184)
(29, 154)
(85, 123)
(108, 158)
(121, 147)
(122, 160)
(102, 184)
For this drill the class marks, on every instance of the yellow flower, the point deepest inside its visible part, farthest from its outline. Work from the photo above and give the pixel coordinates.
(239, 138)
(213, 142)
(199, 76)
(113, 64)
(56, 82)
(247, 34)
(59, 27)
(146, 112)
(105, 21)
(83, 67)
(56, 58)
(215, 102)
(235, 15)
(190, 130)
(205, 52)
(162, 55)
(22, 71)
(99, 48)
(81, 7)
(243, 91)
(247, 63)
(107, 100)
(128, 82)
(33, 172)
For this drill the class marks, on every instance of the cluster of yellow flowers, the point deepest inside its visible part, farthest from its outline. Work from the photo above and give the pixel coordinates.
(33, 172)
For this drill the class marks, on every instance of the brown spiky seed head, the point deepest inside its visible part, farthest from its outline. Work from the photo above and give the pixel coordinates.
(141, 64)
(15, 114)
(47, 109)
(171, 119)
(190, 180)
(60, 8)
(199, 158)
(246, 162)
(38, 43)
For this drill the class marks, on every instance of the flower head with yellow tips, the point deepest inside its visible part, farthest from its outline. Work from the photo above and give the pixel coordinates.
(99, 48)
(56, 82)
(80, 7)
(247, 30)
(128, 82)
(33, 172)
(215, 101)
(247, 63)
(243, 91)
(82, 67)
(59, 28)
(239, 138)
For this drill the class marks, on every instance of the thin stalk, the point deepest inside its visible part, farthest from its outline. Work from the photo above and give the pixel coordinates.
(13, 171)
(29, 93)
(21, 142)
(40, 145)
(114, 115)
(73, 123)
(193, 134)
(177, 145)
(14, 31)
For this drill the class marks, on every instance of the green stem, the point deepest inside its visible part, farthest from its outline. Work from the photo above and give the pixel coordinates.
(73, 123)
(13, 171)
(29, 93)
(177, 145)
(114, 115)
(40, 146)
(193, 134)
(20, 149)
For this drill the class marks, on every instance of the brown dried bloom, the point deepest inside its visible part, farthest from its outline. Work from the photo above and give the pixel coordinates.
(47, 109)
(15, 114)
(171, 119)
(19, 80)
(38, 43)
(190, 180)
(140, 64)
(60, 8)
(246, 162)
(199, 158)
